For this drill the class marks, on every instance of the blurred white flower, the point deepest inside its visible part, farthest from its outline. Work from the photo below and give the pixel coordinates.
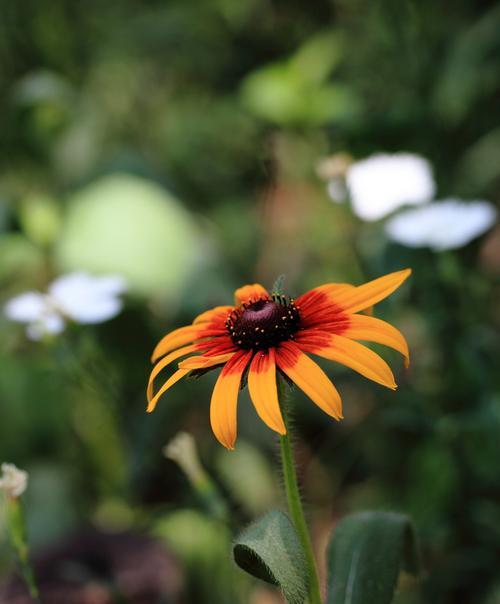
(382, 183)
(444, 225)
(13, 480)
(78, 297)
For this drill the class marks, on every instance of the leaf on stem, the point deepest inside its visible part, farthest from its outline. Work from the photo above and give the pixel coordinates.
(365, 556)
(270, 549)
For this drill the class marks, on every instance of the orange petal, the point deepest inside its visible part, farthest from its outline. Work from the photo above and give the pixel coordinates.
(219, 312)
(320, 295)
(196, 362)
(341, 288)
(250, 293)
(179, 374)
(337, 288)
(309, 377)
(166, 361)
(352, 354)
(204, 362)
(370, 293)
(175, 339)
(225, 398)
(375, 330)
(184, 335)
(263, 390)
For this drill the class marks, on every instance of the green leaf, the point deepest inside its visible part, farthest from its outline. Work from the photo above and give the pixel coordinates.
(131, 226)
(365, 556)
(270, 549)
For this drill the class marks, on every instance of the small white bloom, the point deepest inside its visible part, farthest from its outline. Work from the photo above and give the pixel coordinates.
(382, 183)
(13, 480)
(38, 311)
(444, 225)
(79, 297)
(48, 324)
(87, 299)
(25, 307)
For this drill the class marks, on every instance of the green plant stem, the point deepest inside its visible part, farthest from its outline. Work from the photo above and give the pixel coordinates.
(297, 511)
(18, 538)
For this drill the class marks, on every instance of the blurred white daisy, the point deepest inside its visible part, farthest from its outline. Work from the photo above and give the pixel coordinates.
(78, 297)
(382, 183)
(444, 225)
(13, 480)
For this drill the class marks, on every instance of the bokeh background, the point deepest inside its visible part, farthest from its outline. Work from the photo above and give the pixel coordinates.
(176, 143)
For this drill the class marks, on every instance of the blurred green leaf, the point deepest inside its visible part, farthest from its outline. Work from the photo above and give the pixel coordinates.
(270, 549)
(40, 218)
(131, 226)
(365, 556)
(50, 504)
(432, 473)
(258, 492)
(471, 70)
(19, 258)
(203, 545)
(295, 91)
(317, 57)
(196, 538)
(479, 168)
(281, 95)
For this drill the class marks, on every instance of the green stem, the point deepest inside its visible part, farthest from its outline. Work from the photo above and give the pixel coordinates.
(18, 538)
(297, 512)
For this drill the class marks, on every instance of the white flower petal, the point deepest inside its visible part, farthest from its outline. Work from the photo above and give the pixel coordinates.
(88, 299)
(13, 480)
(444, 225)
(382, 183)
(81, 283)
(26, 307)
(111, 285)
(95, 310)
(50, 324)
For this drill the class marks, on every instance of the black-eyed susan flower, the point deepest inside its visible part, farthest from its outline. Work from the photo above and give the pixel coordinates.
(263, 333)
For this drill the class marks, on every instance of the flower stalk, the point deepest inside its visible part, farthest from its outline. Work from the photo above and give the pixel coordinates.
(17, 535)
(182, 450)
(295, 506)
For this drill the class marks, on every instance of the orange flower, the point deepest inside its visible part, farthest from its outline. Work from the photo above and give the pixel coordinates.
(264, 332)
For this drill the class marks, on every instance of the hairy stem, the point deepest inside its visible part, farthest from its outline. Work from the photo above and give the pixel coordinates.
(297, 511)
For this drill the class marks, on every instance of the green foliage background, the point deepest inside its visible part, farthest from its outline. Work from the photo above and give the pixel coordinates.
(176, 142)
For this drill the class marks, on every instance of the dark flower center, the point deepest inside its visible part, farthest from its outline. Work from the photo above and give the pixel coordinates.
(264, 323)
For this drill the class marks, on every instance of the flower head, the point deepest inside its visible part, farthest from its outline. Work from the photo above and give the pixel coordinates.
(382, 183)
(78, 297)
(444, 225)
(13, 480)
(262, 334)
